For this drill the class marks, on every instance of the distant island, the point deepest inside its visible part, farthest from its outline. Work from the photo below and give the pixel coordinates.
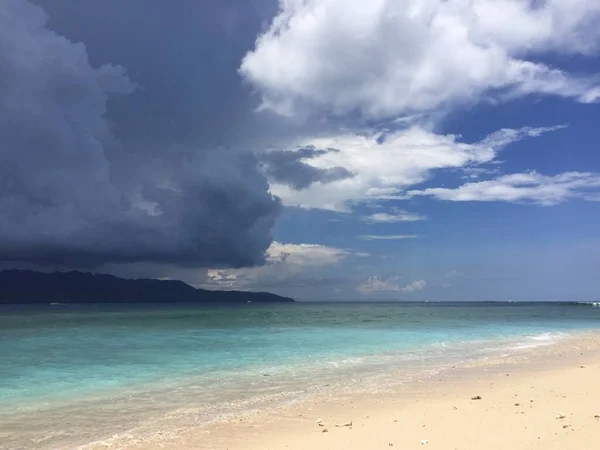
(27, 287)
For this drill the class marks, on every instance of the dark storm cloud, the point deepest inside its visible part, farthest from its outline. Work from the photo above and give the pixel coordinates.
(73, 194)
(184, 54)
(288, 167)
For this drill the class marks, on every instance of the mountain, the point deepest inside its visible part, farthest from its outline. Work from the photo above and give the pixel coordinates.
(27, 287)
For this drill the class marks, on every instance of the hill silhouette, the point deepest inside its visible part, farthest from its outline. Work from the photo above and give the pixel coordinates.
(28, 287)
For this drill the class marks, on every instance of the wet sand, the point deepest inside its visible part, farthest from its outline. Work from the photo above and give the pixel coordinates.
(544, 398)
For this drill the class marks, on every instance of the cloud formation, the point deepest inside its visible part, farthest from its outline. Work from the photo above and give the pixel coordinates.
(385, 164)
(385, 58)
(71, 194)
(286, 264)
(377, 284)
(530, 187)
(289, 167)
(387, 237)
(393, 216)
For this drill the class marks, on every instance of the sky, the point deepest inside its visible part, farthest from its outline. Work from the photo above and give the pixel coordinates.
(320, 149)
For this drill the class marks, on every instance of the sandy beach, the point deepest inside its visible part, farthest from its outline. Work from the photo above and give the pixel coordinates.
(544, 398)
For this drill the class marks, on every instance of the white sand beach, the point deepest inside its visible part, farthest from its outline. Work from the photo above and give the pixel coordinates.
(547, 398)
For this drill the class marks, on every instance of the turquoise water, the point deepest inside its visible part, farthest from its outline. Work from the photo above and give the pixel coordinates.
(138, 360)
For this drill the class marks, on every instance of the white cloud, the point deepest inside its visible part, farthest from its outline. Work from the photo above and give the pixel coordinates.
(377, 284)
(384, 58)
(522, 187)
(507, 136)
(473, 173)
(284, 262)
(415, 286)
(387, 237)
(395, 215)
(304, 254)
(384, 165)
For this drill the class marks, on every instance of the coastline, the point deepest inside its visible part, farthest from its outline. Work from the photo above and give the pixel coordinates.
(521, 397)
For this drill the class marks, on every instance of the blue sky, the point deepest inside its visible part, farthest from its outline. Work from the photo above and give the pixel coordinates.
(323, 149)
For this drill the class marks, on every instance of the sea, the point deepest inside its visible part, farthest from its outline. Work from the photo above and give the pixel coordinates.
(71, 375)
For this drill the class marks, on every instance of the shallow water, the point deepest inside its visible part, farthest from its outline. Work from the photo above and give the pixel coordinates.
(73, 374)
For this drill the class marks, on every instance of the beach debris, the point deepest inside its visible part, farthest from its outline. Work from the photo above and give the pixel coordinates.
(320, 423)
(349, 424)
(325, 430)
(561, 416)
(424, 442)
(566, 426)
(517, 404)
(582, 367)
(597, 416)
(477, 397)
(390, 445)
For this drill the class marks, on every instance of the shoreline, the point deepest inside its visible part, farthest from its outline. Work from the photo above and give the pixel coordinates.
(154, 421)
(538, 372)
